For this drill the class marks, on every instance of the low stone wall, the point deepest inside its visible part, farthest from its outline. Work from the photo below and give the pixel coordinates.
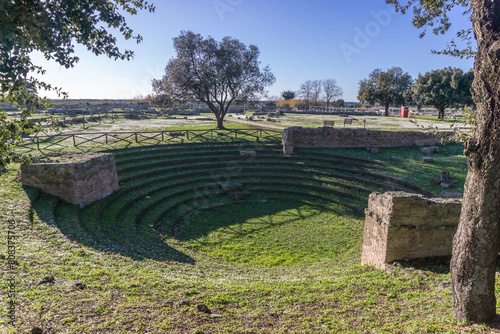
(401, 225)
(76, 179)
(332, 137)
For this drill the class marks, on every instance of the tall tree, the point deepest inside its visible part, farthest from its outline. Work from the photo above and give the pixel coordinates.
(441, 89)
(215, 73)
(477, 240)
(306, 91)
(331, 90)
(288, 95)
(52, 28)
(386, 88)
(317, 87)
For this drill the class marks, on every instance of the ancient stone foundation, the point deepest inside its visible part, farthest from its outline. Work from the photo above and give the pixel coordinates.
(332, 137)
(400, 226)
(77, 179)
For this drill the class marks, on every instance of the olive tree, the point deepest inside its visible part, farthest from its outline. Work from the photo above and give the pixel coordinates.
(477, 240)
(215, 73)
(52, 28)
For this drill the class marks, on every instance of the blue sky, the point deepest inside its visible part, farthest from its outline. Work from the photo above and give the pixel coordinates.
(299, 40)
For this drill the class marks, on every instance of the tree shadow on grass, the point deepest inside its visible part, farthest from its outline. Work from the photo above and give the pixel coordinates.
(441, 265)
(273, 231)
(436, 264)
(129, 243)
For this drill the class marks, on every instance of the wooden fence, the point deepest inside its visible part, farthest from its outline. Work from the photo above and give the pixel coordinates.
(123, 139)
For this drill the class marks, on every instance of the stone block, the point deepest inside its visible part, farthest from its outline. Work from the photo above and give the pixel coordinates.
(339, 137)
(428, 159)
(429, 150)
(401, 225)
(248, 153)
(77, 179)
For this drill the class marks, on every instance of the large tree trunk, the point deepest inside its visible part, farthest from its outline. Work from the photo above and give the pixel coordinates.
(441, 113)
(476, 243)
(220, 122)
(386, 113)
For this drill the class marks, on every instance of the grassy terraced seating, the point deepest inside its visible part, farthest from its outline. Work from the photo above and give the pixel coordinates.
(279, 165)
(162, 184)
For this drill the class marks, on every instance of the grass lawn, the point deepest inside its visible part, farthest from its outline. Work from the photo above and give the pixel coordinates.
(271, 264)
(392, 123)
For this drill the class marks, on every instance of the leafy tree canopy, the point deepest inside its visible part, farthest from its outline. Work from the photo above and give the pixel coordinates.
(385, 87)
(443, 88)
(215, 73)
(53, 28)
(435, 15)
(288, 95)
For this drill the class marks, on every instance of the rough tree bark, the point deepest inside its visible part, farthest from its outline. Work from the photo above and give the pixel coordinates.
(476, 243)
(220, 123)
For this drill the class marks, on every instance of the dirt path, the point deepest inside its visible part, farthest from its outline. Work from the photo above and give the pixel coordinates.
(268, 126)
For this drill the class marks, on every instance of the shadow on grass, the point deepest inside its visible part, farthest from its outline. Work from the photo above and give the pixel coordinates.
(231, 216)
(270, 233)
(128, 242)
(436, 264)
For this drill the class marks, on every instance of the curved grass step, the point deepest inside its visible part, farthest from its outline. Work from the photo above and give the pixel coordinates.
(237, 159)
(154, 149)
(224, 173)
(133, 197)
(298, 194)
(151, 169)
(401, 185)
(164, 154)
(210, 184)
(68, 222)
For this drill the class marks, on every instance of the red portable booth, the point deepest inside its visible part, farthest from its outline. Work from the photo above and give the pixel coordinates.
(405, 112)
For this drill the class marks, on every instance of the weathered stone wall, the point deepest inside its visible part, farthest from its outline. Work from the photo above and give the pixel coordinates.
(400, 225)
(332, 137)
(79, 180)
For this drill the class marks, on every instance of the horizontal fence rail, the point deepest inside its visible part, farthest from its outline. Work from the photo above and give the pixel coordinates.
(107, 140)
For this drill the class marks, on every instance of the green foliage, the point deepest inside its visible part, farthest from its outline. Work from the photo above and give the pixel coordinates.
(288, 95)
(453, 50)
(207, 70)
(443, 88)
(386, 88)
(430, 13)
(52, 28)
(435, 14)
